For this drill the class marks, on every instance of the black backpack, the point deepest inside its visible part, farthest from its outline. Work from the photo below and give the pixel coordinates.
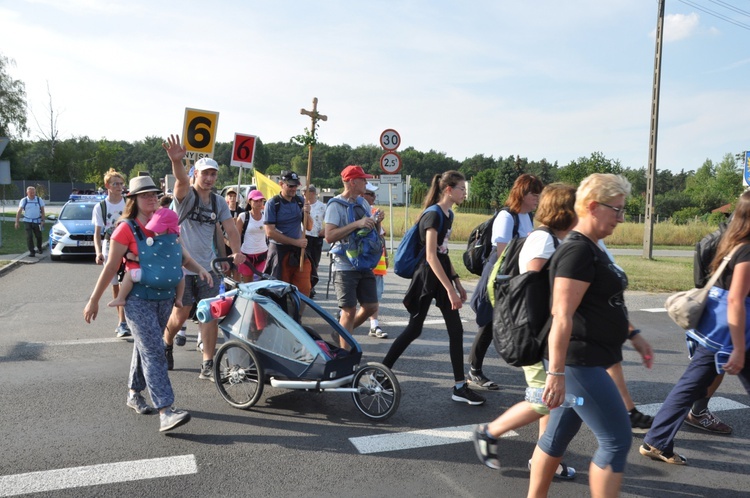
(479, 246)
(521, 313)
(705, 250)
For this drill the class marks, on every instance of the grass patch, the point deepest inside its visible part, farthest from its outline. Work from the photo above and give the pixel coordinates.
(656, 275)
(14, 241)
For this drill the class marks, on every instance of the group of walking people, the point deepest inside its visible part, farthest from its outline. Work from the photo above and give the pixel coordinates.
(588, 327)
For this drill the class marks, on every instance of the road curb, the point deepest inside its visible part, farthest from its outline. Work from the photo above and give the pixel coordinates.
(18, 260)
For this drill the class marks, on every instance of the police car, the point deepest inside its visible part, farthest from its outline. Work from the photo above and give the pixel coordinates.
(73, 234)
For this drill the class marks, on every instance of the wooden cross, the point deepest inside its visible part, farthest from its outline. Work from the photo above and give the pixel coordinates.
(315, 116)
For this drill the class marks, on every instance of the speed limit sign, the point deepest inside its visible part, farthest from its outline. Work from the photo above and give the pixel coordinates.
(390, 163)
(390, 139)
(199, 133)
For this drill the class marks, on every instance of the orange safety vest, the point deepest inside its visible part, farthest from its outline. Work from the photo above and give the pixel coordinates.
(382, 266)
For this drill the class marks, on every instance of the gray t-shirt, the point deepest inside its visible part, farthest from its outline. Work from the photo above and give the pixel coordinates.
(338, 215)
(197, 231)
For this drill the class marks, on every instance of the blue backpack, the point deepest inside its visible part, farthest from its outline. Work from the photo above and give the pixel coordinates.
(364, 247)
(410, 250)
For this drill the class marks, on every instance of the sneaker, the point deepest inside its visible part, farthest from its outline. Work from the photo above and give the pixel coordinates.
(486, 447)
(563, 472)
(137, 403)
(180, 338)
(122, 330)
(708, 422)
(168, 350)
(466, 395)
(477, 379)
(378, 332)
(207, 370)
(640, 423)
(172, 419)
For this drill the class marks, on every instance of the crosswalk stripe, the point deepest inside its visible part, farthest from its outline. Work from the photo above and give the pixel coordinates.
(415, 439)
(654, 310)
(424, 438)
(92, 475)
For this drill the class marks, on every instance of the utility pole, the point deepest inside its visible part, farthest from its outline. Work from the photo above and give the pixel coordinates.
(648, 243)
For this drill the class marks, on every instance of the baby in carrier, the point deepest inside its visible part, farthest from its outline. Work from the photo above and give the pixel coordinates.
(164, 224)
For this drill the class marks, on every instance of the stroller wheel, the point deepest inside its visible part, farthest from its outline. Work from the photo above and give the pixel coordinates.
(238, 375)
(378, 391)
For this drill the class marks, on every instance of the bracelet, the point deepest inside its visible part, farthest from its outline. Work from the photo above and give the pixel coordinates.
(556, 374)
(634, 333)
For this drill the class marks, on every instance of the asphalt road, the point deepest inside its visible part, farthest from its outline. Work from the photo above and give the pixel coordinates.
(64, 416)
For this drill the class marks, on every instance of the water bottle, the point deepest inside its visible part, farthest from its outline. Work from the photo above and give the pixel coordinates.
(534, 395)
(222, 288)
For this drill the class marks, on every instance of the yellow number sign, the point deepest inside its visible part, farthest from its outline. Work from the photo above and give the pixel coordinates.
(199, 133)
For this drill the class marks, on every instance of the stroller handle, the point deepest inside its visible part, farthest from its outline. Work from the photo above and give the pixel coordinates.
(216, 264)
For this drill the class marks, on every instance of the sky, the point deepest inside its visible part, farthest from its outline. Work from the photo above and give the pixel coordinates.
(540, 79)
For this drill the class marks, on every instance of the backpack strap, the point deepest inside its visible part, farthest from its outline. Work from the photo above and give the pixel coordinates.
(103, 206)
(187, 213)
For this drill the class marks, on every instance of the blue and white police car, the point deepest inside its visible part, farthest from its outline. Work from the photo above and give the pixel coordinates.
(73, 234)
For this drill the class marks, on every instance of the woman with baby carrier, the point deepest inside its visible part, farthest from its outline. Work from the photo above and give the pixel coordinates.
(148, 307)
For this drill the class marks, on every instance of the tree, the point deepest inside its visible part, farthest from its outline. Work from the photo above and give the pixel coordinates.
(12, 102)
(577, 170)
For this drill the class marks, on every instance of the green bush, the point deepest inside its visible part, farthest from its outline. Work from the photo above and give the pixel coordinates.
(686, 215)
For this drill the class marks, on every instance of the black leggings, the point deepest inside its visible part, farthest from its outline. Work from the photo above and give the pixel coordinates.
(480, 346)
(414, 329)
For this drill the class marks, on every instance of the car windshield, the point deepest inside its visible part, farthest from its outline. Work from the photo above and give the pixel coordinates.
(77, 211)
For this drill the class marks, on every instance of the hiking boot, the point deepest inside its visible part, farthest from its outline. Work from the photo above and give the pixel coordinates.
(172, 419)
(137, 403)
(477, 379)
(207, 370)
(708, 422)
(122, 330)
(180, 338)
(640, 423)
(486, 447)
(466, 395)
(378, 332)
(168, 350)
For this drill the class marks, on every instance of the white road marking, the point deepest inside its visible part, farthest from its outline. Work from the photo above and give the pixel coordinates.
(654, 310)
(76, 342)
(426, 322)
(92, 475)
(461, 434)
(415, 439)
(715, 404)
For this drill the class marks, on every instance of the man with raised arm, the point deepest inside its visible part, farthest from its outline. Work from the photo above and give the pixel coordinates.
(199, 209)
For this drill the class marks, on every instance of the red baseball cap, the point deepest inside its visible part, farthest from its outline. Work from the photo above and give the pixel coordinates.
(351, 172)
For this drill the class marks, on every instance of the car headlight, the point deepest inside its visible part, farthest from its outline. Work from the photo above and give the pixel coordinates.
(59, 231)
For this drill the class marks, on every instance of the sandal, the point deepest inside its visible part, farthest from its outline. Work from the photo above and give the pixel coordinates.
(657, 454)
(477, 379)
(563, 472)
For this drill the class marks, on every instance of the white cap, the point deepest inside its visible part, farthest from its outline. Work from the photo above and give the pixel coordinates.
(206, 163)
(370, 187)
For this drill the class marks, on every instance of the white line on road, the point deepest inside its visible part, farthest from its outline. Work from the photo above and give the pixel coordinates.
(716, 404)
(415, 439)
(461, 434)
(75, 342)
(426, 322)
(654, 310)
(92, 475)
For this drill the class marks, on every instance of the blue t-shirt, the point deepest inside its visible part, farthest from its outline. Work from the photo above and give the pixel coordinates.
(32, 210)
(287, 218)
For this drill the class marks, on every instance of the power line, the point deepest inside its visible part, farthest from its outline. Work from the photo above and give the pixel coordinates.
(731, 7)
(716, 14)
